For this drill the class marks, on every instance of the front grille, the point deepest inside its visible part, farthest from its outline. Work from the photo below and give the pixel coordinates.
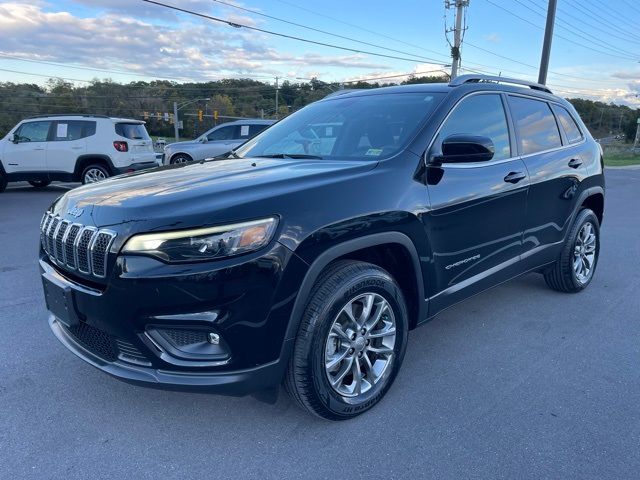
(127, 352)
(182, 337)
(76, 246)
(95, 340)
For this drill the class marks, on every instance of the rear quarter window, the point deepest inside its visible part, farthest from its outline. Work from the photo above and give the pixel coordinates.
(568, 124)
(132, 131)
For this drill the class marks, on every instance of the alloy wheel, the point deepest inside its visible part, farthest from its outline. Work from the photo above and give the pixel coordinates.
(360, 345)
(94, 175)
(584, 253)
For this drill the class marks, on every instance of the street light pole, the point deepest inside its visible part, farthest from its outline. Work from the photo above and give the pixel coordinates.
(546, 47)
(176, 107)
(175, 121)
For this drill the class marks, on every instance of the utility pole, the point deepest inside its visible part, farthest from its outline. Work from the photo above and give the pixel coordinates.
(458, 32)
(548, 37)
(636, 141)
(277, 97)
(175, 121)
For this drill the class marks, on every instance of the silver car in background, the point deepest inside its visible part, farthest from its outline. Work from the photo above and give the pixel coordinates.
(214, 142)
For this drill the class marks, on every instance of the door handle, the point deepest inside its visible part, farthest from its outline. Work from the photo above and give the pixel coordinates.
(76, 148)
(575, 162)
(515, 177)
(38, 149)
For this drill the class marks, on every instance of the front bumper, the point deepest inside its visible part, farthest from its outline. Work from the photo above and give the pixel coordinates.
(112, 325)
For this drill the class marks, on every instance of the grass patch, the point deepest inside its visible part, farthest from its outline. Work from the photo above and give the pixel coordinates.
(620, 156)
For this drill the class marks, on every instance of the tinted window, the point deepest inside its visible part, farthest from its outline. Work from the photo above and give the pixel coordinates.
(370, 126)
(256, 129)
(132, 131)
(34, 132)
(223, 133)
(536, 125)
(568, 124)
(73, 130)
(480, 115)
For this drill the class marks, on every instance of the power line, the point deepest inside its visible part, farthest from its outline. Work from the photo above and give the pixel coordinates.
(574, 31)
(254, 12)
(278, 34)
(616, 19)
(557, 35)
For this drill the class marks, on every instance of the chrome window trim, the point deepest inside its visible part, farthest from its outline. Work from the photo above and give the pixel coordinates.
(504, 160)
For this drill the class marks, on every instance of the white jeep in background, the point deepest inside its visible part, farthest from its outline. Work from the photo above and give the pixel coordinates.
(74, 148)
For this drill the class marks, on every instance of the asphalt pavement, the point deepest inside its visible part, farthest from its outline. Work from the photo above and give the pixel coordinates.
(519, 382)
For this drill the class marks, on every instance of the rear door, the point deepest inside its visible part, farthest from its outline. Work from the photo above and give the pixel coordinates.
(477, 208)
(68, 142)
(28, 153)
(554, 161)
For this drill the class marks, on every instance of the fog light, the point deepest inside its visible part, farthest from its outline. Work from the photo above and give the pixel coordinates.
(213, 338)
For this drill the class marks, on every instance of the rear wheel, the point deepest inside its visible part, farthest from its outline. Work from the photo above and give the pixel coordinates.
(180, 158)
(94, 173)
(574, 269)
(40, 183)
(351, 341)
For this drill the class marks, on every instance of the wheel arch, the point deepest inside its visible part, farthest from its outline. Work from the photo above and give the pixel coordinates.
(83, 161)
(594, 200)
(180, 152)
(370, 248)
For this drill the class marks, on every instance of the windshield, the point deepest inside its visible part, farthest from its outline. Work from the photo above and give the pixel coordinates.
(368, 127)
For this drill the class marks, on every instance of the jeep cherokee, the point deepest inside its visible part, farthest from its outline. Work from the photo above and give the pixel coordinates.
(307, 256)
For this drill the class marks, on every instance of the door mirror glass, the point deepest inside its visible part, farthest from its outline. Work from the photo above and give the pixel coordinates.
(466, 148)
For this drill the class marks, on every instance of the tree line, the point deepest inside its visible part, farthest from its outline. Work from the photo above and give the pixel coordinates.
(230, 98)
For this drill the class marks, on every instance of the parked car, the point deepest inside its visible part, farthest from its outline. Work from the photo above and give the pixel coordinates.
(214, 142)
(74, 148)
(310, 265)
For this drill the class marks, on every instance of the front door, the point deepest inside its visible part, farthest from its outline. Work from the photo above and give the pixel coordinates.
(28, 152)
(477, 211)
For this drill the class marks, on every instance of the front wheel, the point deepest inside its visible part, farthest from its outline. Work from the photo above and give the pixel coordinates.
(574, 269)
(39, 183)
(94, 173)
(180, 158)
(350, 343)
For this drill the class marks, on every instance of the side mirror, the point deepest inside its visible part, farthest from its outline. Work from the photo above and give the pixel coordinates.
(14, 138)
(466, 148)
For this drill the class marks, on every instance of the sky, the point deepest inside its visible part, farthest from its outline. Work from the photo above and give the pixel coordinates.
(595, 52)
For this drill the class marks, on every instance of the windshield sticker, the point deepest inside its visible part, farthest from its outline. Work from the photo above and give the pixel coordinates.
(373, 152)
(244, 131)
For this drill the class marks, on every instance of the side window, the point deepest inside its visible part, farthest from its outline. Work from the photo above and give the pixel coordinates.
(33, 132)
(73, 130)
(256, 129)
(224, 133)
(536, 125)
(569, 125)
(480, 115)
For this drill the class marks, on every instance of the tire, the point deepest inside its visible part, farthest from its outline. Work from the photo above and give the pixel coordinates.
(40, 183)
(180, 158)
(94, 173)
(347, 284)
(566, 274)
(3, 182)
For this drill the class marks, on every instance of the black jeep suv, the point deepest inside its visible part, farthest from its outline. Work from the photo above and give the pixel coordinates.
(307, 255)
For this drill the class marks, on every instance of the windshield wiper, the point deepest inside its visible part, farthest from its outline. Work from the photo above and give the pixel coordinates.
(223, 156)
(290, 155)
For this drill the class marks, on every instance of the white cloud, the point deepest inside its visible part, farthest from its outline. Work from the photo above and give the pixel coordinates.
(492, 37)
(133, 41)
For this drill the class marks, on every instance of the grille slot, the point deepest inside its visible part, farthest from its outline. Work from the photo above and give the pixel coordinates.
(182, 337)
(129, 353)
(95, 340)
(78, 247)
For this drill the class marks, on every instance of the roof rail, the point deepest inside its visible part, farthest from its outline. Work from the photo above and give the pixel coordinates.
(473, 78)
(68, 115)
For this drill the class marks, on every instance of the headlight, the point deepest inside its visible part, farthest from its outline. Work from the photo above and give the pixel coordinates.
(204, 243)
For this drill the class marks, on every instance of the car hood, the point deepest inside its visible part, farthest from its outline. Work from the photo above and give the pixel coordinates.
(206, 192)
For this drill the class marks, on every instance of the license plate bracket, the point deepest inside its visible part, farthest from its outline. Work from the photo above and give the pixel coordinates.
(60, 300)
